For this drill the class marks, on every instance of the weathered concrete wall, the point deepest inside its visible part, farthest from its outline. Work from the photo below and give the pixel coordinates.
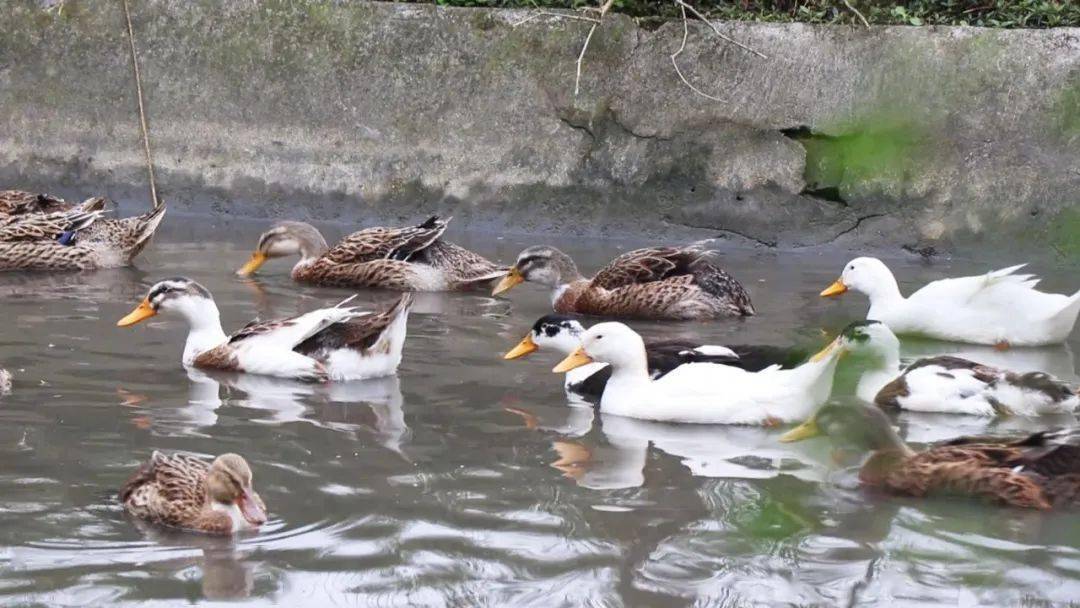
(379, 111)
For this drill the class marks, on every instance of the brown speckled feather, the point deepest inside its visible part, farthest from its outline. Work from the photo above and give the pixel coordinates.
(18, 202)
(1037, 472)
(660, 282)
(385, 274)
(463, 267)
(386, 243)
(170, 489)
(360, 333)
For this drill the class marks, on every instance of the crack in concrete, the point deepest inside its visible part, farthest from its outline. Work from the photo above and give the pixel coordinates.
(766, 243)
(858, 221)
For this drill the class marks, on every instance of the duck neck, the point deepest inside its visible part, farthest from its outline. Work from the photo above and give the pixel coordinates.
(629, 381)
(312, 247)
(883, 369)
(204, 327)
(884, 294)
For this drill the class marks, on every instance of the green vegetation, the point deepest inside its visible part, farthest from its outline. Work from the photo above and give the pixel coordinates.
(985, 13)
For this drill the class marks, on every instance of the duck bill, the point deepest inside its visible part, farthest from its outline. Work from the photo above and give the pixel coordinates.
(835, 289)
(573, 361)
(511, 280)
(827, 352)
(525, 347)
(250, 509)
(254, 263)
(805, 430)
(142, 312)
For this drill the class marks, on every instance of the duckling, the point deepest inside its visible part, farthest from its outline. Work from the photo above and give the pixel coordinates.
(950, 384)
(704, 393)
(337, 343)
(1041, 471)
(999, 308)
(651, 283)
(183, 491)
(562, 333)
(415, 258)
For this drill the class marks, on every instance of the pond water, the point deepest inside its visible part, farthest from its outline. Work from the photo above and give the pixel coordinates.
(467, 480)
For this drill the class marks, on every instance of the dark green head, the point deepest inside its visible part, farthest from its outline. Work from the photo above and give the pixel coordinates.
(859, 426)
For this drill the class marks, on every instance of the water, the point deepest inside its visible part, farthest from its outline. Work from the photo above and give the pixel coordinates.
(467, 480)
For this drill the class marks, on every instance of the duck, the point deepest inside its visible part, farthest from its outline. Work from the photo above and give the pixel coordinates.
(74, 240)
(678, 283)
(337, 343)
(1040, 471)
(184, 491)
(949, 384)
(999, 308)
(702, 393)
(562, 334)
(415, 258)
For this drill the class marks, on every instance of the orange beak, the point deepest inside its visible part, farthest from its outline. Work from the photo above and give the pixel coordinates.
(250, 509)
(257, 259)
(523, 348)
(835, 289)
(511, 280)
(142, 312)
(574, 360)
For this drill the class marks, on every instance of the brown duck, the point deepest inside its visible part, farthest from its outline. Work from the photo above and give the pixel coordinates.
(415, 258)
(1040, 471)
(650, 283)
(183, 491)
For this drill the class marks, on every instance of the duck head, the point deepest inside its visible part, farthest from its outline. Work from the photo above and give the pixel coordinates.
(560, 333)
(178, 294)
(228, 484)
(612, 343)
(544, 265)
(872, 338)
(857, 426)
(865, 275)
(283, 240)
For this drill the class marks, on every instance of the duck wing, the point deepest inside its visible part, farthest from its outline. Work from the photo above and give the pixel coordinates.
(170, 488)
(20, 202)
(360, 333)
(46, 226)
(461, 265)
(290, 332)
(644, 266)
(387, 243)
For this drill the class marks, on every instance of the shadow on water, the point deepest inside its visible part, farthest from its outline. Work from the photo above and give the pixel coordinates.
(467, 479)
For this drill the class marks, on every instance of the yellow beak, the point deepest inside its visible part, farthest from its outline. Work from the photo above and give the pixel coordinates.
(825, 352)
(257, 259)
(142, 312)
(523, 348)
(805, 430)
(511, 280)
(835, 289)
(574, 360)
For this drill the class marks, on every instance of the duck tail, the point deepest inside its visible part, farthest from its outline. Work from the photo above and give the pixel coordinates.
(1065, 318)
(142, 228)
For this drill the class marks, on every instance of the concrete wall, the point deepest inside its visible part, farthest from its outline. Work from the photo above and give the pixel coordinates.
(367, 111)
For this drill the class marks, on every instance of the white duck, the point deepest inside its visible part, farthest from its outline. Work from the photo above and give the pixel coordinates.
(562, 334)
(704, 393)
(948, 384)
(998, 308)
(336, 343)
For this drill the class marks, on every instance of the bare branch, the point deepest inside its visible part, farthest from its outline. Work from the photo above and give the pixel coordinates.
(742, 46)
(675, 55)
(856, 11)
(584, 47)
(543, 13)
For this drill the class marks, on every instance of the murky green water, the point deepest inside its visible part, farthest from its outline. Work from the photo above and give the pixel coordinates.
(428, 489)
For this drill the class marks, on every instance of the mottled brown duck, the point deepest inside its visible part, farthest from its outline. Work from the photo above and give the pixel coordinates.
(73, 240)
(650, 283)
(184, 491)
(1040, 471)
(415, 258)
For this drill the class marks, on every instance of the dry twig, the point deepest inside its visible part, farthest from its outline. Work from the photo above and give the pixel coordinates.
(675, 55)
(856, 11)
(693, 10)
